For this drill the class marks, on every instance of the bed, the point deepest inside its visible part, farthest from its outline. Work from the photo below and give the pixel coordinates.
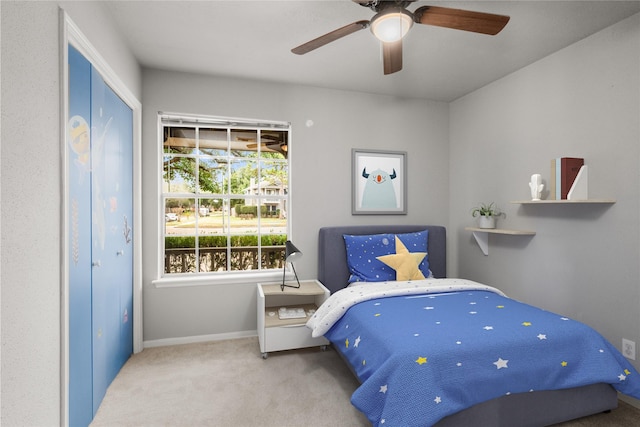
(379, 370)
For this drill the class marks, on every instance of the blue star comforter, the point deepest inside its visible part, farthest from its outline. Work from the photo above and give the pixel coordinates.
(426, 349)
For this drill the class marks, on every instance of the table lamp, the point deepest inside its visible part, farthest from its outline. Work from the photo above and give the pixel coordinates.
(291, 254)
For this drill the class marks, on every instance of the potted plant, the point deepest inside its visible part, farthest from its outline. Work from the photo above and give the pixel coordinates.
(486, 214)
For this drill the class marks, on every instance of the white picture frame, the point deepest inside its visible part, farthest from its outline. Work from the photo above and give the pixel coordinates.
(379, 182)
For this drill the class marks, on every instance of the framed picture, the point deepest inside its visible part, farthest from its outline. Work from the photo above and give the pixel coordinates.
(379, 182)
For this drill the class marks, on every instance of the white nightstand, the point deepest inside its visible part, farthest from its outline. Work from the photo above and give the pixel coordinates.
(277, 334)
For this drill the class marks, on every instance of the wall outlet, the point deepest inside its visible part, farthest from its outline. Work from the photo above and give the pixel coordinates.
(629, 349)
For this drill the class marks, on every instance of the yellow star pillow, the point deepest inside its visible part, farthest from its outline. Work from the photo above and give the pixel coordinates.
(405, 263)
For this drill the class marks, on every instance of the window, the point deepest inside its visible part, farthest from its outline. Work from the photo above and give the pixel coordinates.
(225, 195)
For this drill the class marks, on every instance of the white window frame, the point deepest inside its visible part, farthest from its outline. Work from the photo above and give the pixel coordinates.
(227, 277)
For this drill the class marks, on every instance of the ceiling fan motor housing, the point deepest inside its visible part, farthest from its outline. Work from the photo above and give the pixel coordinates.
(380, 5)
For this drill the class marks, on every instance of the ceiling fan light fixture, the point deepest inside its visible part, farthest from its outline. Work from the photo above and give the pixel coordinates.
(391, 25)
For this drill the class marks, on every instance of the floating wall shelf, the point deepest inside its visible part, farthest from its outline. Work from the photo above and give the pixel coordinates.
(482, 235)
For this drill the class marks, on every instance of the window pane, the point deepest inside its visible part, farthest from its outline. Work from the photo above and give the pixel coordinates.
(275, 177)
(213, 142)
(220, 219)
(179, 254)
(244, 177)
(211, 176)
(245, 216)
(272, 250)
(179, 217)
(244, 143)
(274, 144)
(210, 218)
(273, 219)
(213, 253)
(180, 140)
(179, 174)
(244, 252)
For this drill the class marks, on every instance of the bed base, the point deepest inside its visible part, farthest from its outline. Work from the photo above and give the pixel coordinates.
(534, 409)
(537, 408)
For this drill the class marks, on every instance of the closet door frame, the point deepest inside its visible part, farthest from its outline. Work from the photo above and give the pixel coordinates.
(70, 34)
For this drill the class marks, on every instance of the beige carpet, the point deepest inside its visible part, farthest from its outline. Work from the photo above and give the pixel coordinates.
(227, 383)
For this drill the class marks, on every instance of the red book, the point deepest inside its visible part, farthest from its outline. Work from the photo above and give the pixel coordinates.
(569, 168)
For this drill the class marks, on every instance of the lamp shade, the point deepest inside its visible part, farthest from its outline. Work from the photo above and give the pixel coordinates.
(391, 25)
(291, 252)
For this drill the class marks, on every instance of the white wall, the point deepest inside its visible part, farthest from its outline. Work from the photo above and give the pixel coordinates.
(31, 197)
(583, 101)
(321, 183)
(30, 248)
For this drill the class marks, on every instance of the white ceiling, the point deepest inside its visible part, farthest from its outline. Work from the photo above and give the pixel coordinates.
(253, 39)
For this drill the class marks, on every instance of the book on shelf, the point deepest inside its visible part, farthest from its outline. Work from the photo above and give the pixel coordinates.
(564, 171)
(558, 173)
(569, 168)
(580, 188)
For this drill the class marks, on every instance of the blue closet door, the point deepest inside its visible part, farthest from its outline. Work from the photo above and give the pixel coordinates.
(112, 254)
(100, 181)
(79, 240)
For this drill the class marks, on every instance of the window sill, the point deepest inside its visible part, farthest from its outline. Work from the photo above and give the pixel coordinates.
(219, 279)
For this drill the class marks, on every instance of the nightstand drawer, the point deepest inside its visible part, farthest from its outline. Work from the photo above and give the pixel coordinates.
(292, 336)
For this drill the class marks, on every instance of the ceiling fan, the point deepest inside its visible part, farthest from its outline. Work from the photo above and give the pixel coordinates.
(392, 22)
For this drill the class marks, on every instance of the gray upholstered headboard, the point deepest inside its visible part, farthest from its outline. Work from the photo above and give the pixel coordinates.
(333, 270)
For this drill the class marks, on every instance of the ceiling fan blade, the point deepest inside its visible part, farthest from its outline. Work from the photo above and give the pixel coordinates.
(266, 147)
(254, 145)
(392, 56)
(477, 22)
(330, 37)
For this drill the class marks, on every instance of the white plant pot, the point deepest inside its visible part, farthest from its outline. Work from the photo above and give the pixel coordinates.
(487, 221)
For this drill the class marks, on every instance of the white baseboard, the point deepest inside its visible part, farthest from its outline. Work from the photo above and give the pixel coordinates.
(198, 338)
